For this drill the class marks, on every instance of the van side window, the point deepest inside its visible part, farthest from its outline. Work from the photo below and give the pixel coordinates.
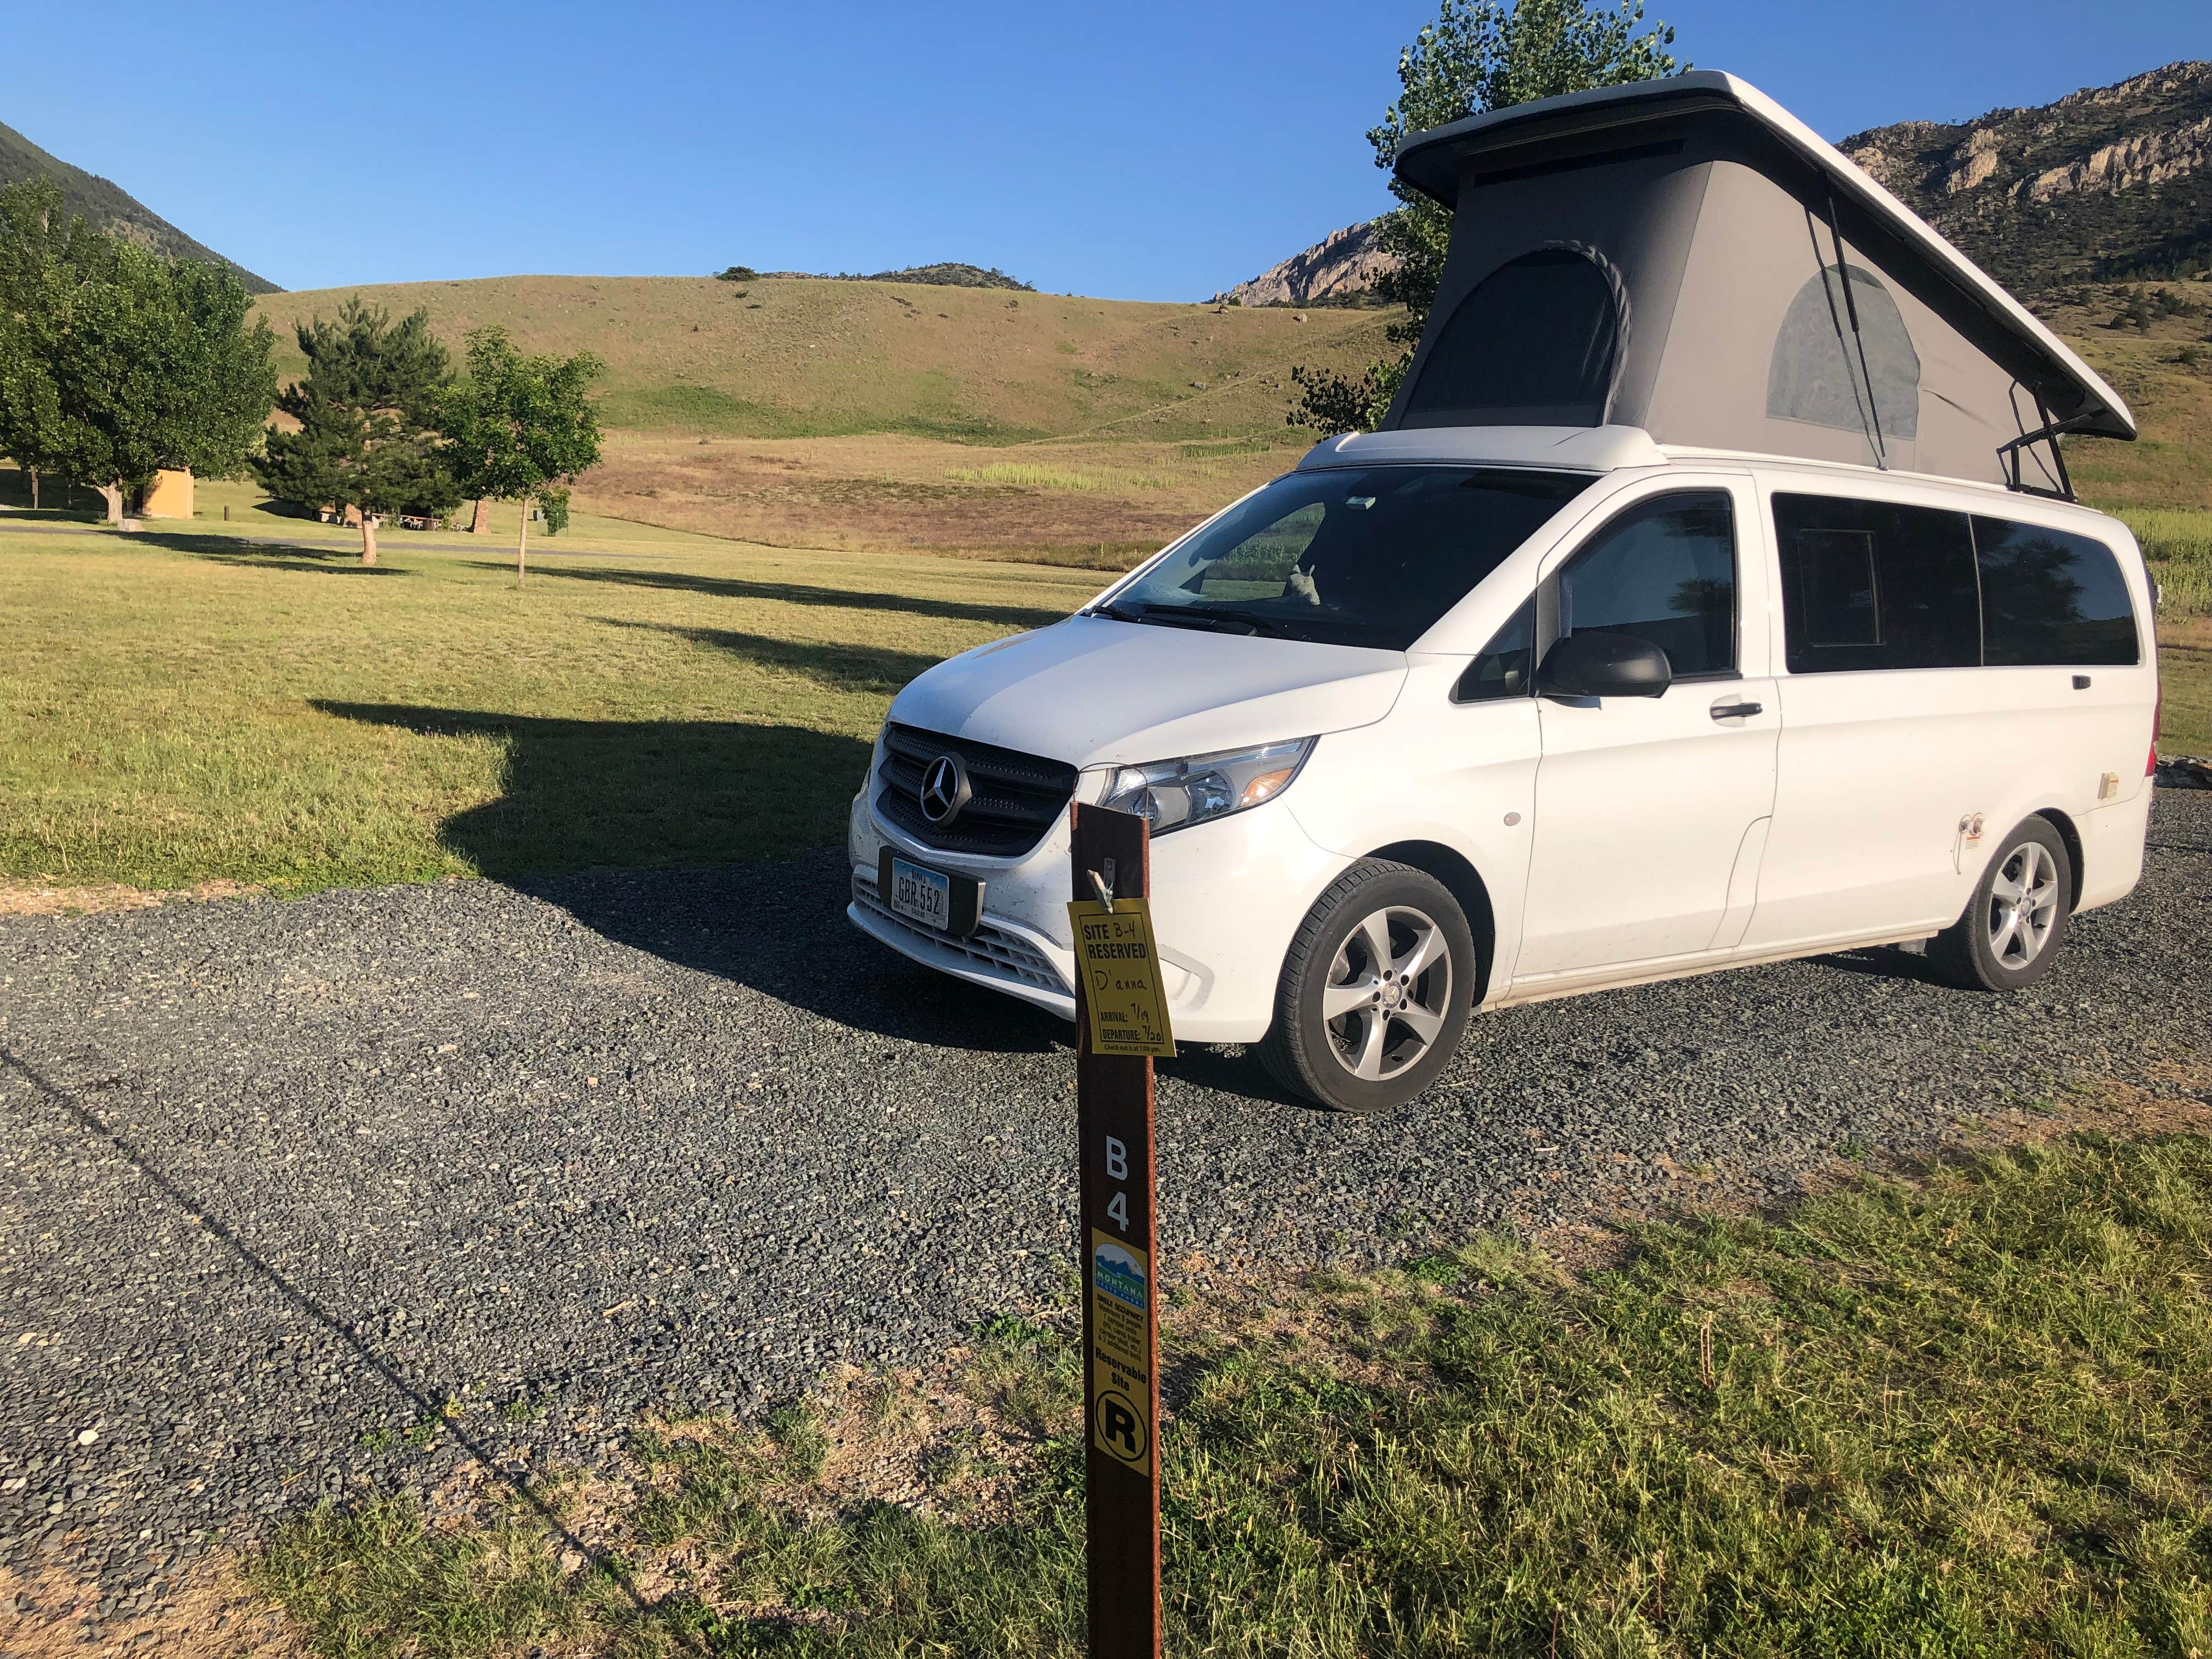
(2050, 596)
(1663, 571)
(1873, 585)
(1500, 669)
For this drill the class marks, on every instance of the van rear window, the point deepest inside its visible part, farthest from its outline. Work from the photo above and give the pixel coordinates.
(2050, 596)
(1875, 585)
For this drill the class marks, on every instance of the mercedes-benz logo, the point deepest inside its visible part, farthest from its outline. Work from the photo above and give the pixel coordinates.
(944, 789)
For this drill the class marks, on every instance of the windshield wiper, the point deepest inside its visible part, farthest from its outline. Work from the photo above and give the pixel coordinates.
(1260, 622)
(1180, 616)
(1186, 616)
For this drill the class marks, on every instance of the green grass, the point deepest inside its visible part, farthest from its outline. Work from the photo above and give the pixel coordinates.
(187, 705)
(2178, 545)
(1967, 1416)
(2185, 673)
(241, 700)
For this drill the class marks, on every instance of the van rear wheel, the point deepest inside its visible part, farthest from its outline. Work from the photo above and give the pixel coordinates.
(2017, 919)
(1375, 990)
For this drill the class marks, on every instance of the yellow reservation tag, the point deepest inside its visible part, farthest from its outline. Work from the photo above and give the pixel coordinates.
(1120, 971)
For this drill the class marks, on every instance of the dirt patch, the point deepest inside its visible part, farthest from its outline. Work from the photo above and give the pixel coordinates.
(1099, 505)
(211, 1614)
(36, 899)
(2176, 1100)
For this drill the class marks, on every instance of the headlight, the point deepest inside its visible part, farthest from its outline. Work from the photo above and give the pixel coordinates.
(1200, 787)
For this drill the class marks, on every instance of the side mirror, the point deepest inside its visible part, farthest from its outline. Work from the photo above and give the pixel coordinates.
(1604, 666)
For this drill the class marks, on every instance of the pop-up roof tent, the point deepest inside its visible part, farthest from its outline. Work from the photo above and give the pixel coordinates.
(1685, 257)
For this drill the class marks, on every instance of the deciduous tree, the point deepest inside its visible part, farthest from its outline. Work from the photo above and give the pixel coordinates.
(115, 362)
(522, 429)
(1477, 55)
(368, 409)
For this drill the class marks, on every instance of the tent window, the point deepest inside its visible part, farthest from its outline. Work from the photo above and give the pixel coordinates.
(1534, 345)
(1814, 375)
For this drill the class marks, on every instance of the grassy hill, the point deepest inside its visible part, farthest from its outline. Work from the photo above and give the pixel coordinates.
(792, 358)
(853, 414)
(2163, 367)
(857, 414)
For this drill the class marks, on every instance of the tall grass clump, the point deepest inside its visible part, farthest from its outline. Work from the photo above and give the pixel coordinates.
(1029, 475)
(1022, 475)
(2178, 545)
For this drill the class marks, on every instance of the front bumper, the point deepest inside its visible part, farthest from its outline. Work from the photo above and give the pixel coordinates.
(1226, 898)
(1004, 957)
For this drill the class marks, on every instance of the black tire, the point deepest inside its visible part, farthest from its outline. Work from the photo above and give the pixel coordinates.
(2012, 928)
(1402, 1036)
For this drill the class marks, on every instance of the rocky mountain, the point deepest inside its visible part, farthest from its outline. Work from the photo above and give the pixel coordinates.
(110, 207)
(2108, 184)
(1338, 270)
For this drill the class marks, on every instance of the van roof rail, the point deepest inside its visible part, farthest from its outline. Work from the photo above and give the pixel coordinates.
(1568, 448)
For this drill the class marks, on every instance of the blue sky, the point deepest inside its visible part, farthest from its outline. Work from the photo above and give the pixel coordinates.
(1137, 151)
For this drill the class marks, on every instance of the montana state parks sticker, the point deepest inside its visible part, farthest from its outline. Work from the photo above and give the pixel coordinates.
(1121, 1352)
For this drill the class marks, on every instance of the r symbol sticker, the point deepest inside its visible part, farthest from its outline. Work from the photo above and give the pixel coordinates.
(1120, 1427)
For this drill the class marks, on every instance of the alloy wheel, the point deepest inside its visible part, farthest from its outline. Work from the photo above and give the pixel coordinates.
(2023, 905)
(1389, 990)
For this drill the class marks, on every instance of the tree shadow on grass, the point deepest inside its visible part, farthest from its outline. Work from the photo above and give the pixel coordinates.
(709, 844)
(732, 588)
(844, 667)
(245, 554)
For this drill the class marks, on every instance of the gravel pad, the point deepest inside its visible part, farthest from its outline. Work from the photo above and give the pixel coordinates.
(301, 1199)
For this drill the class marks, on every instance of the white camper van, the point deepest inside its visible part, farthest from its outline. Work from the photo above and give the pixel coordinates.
(1712, 594)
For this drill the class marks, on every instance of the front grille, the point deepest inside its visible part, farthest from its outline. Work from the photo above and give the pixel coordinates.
(1015, 798)
(990, 947)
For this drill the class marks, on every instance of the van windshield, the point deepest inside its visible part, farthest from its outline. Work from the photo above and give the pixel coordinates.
(1350, 556)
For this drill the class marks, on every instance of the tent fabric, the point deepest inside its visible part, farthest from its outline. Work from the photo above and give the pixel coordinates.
(1758, 301)
(1536, 343)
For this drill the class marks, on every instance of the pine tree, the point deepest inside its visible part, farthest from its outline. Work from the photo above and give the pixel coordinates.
(368, 409)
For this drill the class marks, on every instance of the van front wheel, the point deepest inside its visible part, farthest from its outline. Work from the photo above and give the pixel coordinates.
(2016, 919)
(1375, 990)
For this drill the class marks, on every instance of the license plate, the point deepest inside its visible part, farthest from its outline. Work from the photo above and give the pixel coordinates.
(921, 896)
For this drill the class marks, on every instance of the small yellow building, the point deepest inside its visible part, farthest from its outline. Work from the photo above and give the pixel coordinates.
(169, 496)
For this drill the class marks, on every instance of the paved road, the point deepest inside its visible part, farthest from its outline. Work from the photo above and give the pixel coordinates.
(316, 539)
(279, 1179)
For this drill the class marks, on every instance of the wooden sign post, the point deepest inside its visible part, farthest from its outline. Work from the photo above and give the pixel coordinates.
(1121, 1022)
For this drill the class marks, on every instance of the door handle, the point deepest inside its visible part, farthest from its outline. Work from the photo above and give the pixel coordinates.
(1736, 711)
